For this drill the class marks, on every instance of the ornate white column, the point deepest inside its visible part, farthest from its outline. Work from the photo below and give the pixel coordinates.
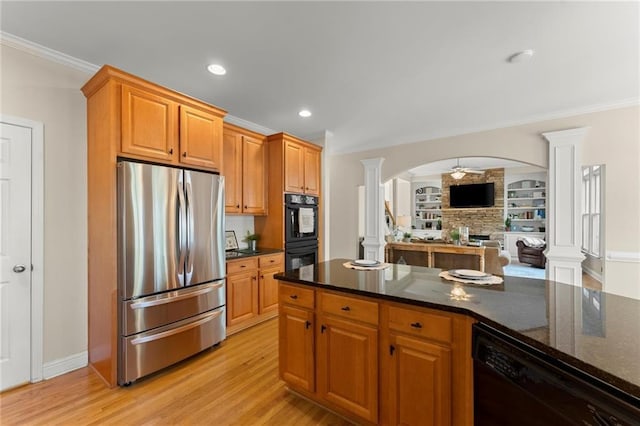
(564, 234)
(373, 210)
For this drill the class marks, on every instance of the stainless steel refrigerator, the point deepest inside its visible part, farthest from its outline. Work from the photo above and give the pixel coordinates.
(171, 266)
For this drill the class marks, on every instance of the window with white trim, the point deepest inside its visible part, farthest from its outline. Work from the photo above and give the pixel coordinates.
(592, 202)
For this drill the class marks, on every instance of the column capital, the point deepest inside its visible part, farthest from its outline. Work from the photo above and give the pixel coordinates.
(568, 136)
(372, 162)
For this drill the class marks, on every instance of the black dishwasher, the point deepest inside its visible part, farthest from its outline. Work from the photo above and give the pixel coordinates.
(516, 384)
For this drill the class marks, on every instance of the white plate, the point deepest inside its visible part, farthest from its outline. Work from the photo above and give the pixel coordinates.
(470, 274)
(365, 262)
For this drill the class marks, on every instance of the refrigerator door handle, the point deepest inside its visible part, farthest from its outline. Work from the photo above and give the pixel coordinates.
(178, 330)
(190, 224)
(170, 299)
(182, 230)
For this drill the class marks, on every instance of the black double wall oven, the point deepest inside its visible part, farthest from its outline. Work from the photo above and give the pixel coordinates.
(301, 231)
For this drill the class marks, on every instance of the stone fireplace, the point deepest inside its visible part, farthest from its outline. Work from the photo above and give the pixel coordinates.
(485, 221)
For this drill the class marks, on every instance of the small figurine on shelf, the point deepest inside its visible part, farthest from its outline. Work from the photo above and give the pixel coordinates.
(507, 224)
(439, 224)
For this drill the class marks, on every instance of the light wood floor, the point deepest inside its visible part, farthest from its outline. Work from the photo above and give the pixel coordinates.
(235, 384)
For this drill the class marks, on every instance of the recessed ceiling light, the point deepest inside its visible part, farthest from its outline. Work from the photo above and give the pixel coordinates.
(216, 69)
(304, 113)
(523, 56)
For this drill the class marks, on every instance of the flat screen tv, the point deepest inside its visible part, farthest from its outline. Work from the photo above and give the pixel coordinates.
(472, 195)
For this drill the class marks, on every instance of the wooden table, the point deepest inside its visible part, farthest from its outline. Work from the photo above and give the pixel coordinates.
(430, 251)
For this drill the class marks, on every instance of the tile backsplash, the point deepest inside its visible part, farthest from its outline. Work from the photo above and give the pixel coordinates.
(240, 224)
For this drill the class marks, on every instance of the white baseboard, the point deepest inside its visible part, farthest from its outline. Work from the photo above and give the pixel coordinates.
(65, 365)
(593, 274)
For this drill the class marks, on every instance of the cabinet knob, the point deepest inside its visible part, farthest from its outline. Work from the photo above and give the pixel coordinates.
(416, 325)
(245, 207)
(184, 154)
(307, 324)
(345, 308)
(391, 349)
(323, 328)
(294, 296)
(237, 206)
(170, 150)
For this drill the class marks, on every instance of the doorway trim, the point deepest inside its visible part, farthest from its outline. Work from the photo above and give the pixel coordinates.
(37, 240)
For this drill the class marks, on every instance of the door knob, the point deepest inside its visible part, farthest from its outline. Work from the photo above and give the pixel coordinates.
(19, 268)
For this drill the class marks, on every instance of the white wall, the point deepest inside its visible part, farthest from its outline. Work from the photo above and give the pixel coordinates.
(613, 139)
(44, 91)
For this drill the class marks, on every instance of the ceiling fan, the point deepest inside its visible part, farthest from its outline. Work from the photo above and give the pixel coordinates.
(458, 172)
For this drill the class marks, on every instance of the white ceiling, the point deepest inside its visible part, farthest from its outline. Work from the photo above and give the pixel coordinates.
(373, 73)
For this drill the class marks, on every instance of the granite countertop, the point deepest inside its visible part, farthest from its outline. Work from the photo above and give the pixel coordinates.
(596, 332)
(240, 254)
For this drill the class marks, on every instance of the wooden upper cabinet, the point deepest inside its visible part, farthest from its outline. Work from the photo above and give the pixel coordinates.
(200, 138)
(158, 124)
(245, 169)
(311, 171)
(293, 167)
(149, 124)
(254, 162)
(232, 154)
(301, 168)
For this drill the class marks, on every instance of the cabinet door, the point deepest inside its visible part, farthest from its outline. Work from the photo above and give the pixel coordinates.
(149, 124)
(311, 171)
(200, 138)
(347, 366)
(242, 297)
(232, 170)
(296, 347)
(254, 161)
(419, 382)
(268, 290)
(293, 167)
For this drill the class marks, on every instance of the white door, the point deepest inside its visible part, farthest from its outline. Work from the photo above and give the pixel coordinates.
(15, 255)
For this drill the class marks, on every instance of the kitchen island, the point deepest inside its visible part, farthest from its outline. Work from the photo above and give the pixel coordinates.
(591, 331)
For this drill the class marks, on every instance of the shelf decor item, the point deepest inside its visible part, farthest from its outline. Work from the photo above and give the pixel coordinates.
(231, 243)
(507, 224)
(455, 236)
(252, 240)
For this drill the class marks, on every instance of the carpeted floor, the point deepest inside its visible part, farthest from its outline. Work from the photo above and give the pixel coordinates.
(523, 270)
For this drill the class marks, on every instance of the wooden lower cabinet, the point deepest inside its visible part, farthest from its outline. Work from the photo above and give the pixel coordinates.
(376, 362)
(252, 292)
(242, 297)
(426, 401)
(297, 354)
(347, 366)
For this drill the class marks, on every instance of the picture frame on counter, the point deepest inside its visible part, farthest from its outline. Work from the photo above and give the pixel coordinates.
(231, 242)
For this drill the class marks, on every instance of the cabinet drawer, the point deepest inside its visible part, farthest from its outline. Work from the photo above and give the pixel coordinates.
(242, 265)
(419, 323)
(349, 307)
(297, 296)
(271, 260)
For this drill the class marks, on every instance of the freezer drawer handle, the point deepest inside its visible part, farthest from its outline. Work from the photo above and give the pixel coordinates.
(171, 299)
(147, 339)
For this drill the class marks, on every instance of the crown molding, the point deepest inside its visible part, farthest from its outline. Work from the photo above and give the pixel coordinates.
(248, 125)
(41, 51)
(554, 115)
